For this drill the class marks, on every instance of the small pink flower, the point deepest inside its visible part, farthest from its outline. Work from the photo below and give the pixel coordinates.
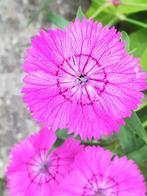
(82, 78)
(115, 2)
(96, 173)
(32, 171)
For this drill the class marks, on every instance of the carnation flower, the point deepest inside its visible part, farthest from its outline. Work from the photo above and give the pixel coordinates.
(97, 173)
(33, 171)
(82, 78)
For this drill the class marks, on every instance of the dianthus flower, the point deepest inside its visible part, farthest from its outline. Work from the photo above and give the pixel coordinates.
(33, 171)
(82, 78)
(97, 173)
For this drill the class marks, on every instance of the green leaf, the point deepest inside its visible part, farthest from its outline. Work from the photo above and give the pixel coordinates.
(138, 40)
(135, 125)
(80, 13)
(126, 38)
(57, 20)
(133, 51)
(142, 113)
(128, 140)
(102, 11)
(129, 6)
(63, 133)
(139, 155)
(143, 169)
(144, 60)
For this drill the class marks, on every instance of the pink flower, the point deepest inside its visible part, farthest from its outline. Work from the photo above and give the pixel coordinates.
(82, 78)
(97, 173)
(32, 171)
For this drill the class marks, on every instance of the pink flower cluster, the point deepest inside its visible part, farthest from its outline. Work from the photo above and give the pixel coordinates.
(37, 169)
(81, 78)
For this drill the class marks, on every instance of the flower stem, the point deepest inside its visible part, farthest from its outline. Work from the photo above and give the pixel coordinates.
(98, 11)
(136, 22)
(130, 20)
(135, 4)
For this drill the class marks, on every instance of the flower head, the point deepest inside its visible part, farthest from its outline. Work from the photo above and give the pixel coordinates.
(32, 171)
(96, 173)
(82, 78)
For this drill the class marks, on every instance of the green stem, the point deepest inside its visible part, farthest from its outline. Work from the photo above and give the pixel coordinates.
(98, 11)
(133, 21)
(90, 143)
(135, 4)
(136, 22)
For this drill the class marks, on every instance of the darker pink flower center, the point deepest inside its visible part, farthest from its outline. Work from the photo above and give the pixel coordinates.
(42, 168)
(81, 79)
(97, 186)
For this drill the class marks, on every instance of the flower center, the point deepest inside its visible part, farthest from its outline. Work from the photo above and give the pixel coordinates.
(81, 79)
(38, 168)
(97, 186)
(101, 192)
(44, 167)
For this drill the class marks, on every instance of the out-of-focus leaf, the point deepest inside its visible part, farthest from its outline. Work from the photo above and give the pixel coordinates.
(135, 125)
(132, 6)
(106, 19)
(144, 169)
(139, 40)
(125, 7)
(128, 140)
(80, 13)
(139, 155)
(144, 60)
(126, 38)
(142, 113)
(143, 105)
(57, 20)
(133, 51)
(102, 11)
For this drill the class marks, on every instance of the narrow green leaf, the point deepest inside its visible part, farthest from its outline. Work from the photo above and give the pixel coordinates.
(139, 155)
(80, 13)
(133, 51)
(57, 20)
(136, 127)
(126, 38)
(128, 140)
